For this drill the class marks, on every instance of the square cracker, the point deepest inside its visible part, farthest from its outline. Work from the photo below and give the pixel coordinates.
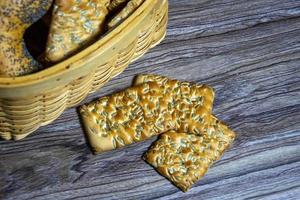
(203, 93)
(185, 158)
(142, 111)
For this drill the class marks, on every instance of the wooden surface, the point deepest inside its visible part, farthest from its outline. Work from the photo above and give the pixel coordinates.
(249, 51)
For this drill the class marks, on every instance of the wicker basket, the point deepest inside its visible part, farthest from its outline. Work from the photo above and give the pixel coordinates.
(28, 102)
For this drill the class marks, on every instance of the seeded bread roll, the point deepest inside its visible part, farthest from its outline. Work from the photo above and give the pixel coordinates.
(185, 158)
(74, 25)
(15, 18)
(142, 111)
(131, 6)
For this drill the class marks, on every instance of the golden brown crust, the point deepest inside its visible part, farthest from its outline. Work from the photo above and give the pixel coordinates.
(15, 18)
(131, 6)
(185, 158)
(74, 25)
(140, 112)
(190, 91)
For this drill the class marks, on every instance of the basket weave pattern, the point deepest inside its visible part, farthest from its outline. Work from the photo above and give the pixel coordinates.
(21, 116)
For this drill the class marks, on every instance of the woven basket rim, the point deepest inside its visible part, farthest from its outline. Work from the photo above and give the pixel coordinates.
(65, 66)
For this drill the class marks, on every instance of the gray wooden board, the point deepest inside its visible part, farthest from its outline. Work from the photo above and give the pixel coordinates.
(249, 51)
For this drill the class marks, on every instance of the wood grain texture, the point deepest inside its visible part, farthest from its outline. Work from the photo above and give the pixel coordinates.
(249, 51)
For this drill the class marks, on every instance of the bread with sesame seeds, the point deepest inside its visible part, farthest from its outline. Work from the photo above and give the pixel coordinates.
(15, 17)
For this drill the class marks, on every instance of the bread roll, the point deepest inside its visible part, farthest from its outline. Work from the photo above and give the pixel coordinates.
(15, 17)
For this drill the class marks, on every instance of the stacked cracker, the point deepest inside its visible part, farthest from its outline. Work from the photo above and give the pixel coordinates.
(191, 140)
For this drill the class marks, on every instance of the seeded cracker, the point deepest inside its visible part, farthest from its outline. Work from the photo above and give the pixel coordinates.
(75, 23)
(185, 158)
(131, 6)
(116, 4)
(189, 91)
(142, 111)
